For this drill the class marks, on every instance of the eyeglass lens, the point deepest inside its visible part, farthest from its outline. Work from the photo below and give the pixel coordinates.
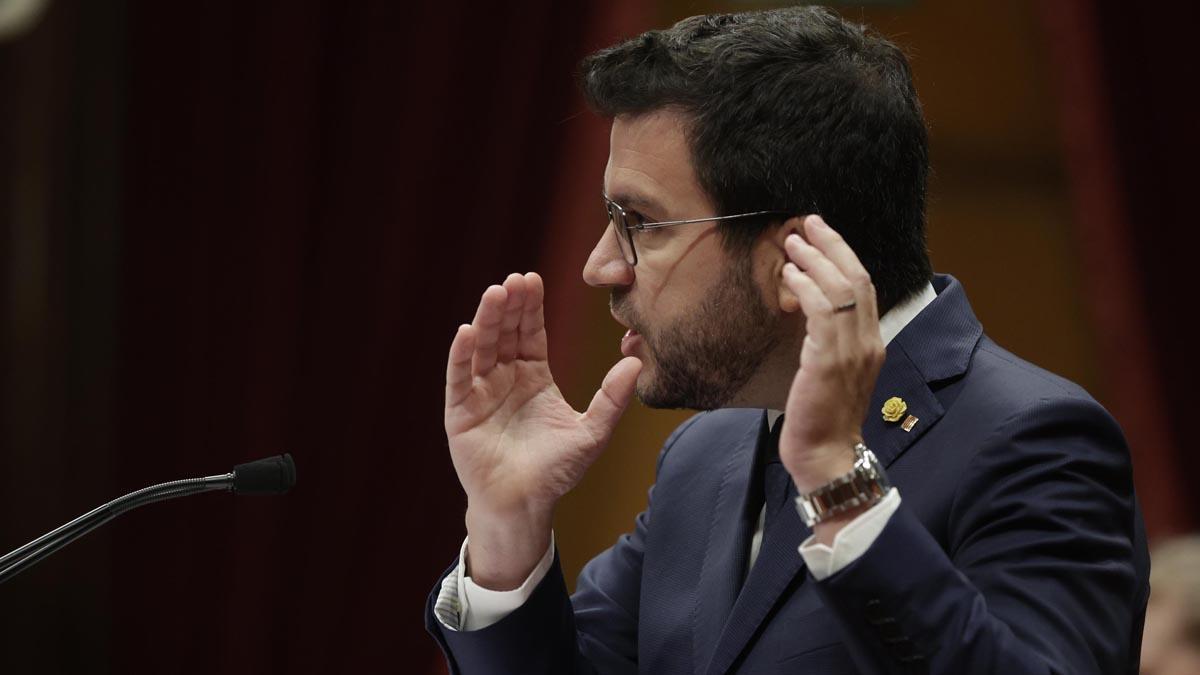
(617, 219)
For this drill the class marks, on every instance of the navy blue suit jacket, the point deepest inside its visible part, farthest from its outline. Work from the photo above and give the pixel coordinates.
(1018, 546)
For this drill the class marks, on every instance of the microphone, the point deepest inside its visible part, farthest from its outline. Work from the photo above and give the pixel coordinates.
(269, 476)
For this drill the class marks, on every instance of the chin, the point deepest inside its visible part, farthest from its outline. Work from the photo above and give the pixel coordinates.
(648, 392)
(644, 388)
(653, 396)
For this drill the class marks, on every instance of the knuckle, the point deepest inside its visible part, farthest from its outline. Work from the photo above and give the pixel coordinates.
(878, 355)
(860, 361)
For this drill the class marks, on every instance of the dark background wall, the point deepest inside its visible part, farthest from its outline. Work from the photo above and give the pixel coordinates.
(233, 229)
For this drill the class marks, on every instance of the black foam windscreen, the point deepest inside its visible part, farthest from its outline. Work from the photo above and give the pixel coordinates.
(270, 476)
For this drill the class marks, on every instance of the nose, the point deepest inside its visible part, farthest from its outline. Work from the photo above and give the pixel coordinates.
(606, 267)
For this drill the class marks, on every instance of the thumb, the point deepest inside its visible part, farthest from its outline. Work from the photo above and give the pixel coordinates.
(611, 400)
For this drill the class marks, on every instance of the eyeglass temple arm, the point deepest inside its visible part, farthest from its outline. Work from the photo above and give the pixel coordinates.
(666, 223)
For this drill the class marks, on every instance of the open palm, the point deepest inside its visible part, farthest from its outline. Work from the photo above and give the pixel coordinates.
(516, 444)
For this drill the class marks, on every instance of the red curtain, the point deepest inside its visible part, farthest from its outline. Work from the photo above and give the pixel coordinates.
(1130, 144)
(317, 195)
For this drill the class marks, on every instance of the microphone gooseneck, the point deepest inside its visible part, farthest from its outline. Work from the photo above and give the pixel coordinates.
(273, 475)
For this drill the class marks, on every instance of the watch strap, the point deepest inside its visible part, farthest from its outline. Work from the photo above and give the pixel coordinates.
(863, 485)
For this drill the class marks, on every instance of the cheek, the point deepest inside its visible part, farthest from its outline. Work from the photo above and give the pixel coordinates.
(676, 291)
(662, 304)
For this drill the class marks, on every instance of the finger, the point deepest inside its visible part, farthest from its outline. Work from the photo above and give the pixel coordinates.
(816, 307)
(458, 366)
(829, 242)
(827, 275)
(532, 330)
(872, 309)
(834, 247)
(611, 400)
(507, 343)
(487, 328)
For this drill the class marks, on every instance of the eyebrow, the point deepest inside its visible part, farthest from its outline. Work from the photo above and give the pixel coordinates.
(637, 200)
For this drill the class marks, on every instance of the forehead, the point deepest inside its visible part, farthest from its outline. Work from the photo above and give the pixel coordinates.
(650, 165)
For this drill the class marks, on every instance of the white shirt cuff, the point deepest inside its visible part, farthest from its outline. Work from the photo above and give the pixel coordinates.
(464, 605)
(851, 541)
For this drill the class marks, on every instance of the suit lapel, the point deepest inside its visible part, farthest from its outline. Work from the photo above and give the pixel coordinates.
(899, 378)
(935, 346)
(777, 565)
(727, 547)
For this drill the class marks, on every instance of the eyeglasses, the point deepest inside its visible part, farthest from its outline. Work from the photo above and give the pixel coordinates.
(626, 224)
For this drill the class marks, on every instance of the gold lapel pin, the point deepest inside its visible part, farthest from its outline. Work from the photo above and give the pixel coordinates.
(909, 423)
(893, 409)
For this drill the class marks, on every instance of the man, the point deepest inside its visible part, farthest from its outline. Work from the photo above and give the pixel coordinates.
(927, 502)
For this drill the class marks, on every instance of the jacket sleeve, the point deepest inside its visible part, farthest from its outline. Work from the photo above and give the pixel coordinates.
(1045, 570)
(594, 631)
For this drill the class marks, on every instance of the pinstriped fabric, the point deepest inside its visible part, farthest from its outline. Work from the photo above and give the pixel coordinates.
(727, 537)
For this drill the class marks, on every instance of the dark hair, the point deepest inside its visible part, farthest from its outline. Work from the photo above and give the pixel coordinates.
(792, 109)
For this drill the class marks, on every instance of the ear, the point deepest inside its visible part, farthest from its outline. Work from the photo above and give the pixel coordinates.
(788, 301)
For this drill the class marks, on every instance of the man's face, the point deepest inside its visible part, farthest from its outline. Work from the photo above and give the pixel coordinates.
(697, 315)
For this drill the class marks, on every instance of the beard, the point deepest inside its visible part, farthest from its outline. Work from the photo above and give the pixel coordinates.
(704, 358)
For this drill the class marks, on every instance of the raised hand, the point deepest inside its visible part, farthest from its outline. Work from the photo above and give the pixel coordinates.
(839, 360)
(516, 444)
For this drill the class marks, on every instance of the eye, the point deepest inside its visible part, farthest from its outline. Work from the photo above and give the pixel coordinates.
(635, 220)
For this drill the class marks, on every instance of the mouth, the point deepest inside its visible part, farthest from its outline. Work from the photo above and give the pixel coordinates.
(631, 340)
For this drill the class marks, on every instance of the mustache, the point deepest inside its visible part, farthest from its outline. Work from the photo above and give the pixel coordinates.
(622, 308)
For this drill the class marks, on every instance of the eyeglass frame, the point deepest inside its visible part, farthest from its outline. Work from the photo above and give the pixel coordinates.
(609, 205)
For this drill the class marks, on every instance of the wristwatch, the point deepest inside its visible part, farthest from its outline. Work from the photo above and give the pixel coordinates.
(864, 485)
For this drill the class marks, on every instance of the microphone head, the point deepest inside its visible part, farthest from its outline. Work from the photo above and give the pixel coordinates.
(271, 476)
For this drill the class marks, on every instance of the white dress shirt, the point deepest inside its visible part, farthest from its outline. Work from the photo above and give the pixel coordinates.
(464, 605)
